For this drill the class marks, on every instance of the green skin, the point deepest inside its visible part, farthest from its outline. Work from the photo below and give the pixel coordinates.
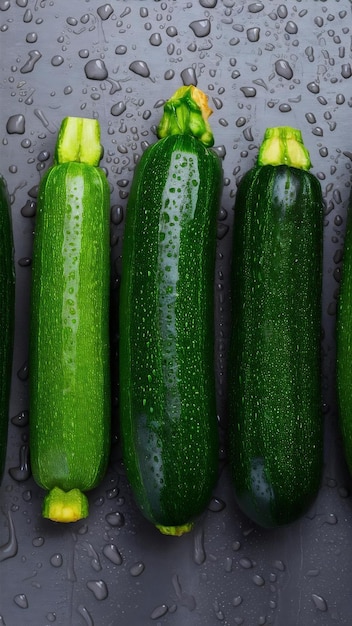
(69, 331)
(7, 315)
(344, 343)
(275, 426)
(167, 386)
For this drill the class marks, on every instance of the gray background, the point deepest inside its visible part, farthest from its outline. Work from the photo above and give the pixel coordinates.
(262, 64)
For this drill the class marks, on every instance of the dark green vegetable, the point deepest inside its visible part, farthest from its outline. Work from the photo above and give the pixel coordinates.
(167, 384)
(274, 366)
(7, 315)
(69, 331)
(344, 343)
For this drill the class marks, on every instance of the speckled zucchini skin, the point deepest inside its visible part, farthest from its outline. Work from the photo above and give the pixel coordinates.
(344, 343)
(69, 333)
(7, 315)
(274, 365)
(167, 386)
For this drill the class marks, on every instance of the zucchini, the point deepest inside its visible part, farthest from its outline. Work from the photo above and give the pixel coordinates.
(167, 385)
(7, 315)
(69, 326)
(344, 343)
(275, 422)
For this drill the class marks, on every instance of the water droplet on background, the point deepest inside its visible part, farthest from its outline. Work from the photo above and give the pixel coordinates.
(283, 69)
(16, 124)
(141, 68)
(201, 28)
(98, 588)
(21, 600)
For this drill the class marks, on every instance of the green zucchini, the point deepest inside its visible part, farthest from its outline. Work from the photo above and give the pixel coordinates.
(7, 315)
(275, 422)
(167, 385)
(69, 327)
(344, 343)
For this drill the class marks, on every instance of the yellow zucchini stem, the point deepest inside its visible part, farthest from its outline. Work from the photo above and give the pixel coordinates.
(65, 506)
(283, 145)
(175, 531)
(186, 113)
(78, 140)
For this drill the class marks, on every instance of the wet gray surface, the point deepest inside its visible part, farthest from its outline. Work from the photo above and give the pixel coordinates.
(262, 64)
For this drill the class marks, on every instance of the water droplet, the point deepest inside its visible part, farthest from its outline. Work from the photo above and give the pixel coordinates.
(22, 472)
(279, 565)
(171, 31)
(137, 569)
(159, 611)
(253, 34)
(115, 519)
(189, 77)
(282, 11)
(245, 563)
(201, 28)
(228, 564)
(237, 601)
(319, 602)
(216, 505)
(83, 611)
(284, 108)
(217, 103)
(283, 69)
(112, 553)
(31, 37)
(169, 74)
(120, 49)
(16, 124)
(255, 7)
(21, 419)
(71, 21)
(118, 108)
(208, 4)
(21, 600)
(28, 16)
(249, 92)
(155, 39)
(38, 542)
(140, 67)
(98, 588)
(291, 28)
(57, 60)
(56, 560)
(105, 11)
(247, 134)
(34, 56)
(346, 70)
(198, 548)
(10, 548)
(95, 69)
(258, 580)
(313, 87)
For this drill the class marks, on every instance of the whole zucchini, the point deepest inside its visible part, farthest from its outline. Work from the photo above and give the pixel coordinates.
(7, 315)
(69, 327)
(344, 343)
(275, 428)
(167, 383)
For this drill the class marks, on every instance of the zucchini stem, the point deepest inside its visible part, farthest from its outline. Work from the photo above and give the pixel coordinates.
(283, 145)
(78, 140)
(186, 113)
(65, 506)
(175, 531)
